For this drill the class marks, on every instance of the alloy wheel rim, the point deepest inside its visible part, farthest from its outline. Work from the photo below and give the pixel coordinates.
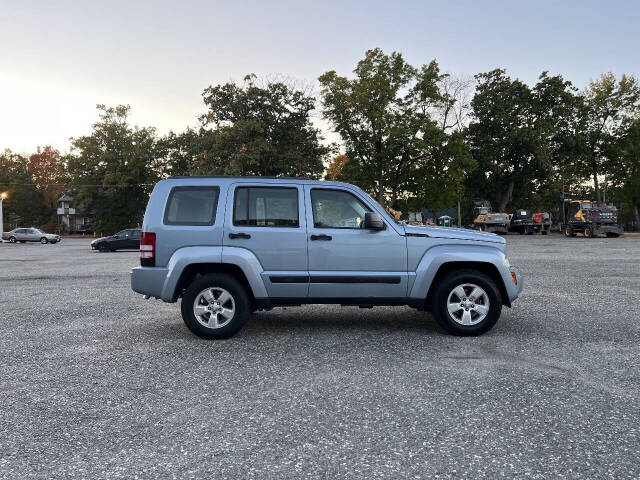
(214, 307)
(468, 304)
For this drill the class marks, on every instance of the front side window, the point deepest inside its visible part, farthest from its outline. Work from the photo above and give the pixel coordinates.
(266, 207)
(337, 209)
(192, 206)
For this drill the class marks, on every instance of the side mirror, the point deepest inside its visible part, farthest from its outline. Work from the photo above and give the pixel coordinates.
(373, 221)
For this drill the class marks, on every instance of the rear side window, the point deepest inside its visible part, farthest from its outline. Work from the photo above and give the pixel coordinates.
(266, 207)
(192, 206)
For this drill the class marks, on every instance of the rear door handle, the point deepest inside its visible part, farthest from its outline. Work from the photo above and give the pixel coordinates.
(321, 237)
(239, 235)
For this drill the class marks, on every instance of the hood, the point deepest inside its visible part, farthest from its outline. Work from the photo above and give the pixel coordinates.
(455, 233)
(98, 239)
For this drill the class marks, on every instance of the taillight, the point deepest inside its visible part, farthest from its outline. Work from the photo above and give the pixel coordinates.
(148, 249)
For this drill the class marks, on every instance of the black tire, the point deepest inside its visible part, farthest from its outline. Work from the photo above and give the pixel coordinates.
(12, 239)
(240, 299)
(44, 240)
(447, 284)
(568, 232)
(588, 233)
(103, 247)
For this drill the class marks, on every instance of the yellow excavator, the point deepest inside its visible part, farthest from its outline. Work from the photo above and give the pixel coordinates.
(590, 219)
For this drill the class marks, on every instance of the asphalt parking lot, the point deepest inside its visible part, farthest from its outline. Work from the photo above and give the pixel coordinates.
(96, 382)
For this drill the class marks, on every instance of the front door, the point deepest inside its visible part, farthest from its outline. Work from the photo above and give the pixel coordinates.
(268, 219)
(123, 239)
(345, 260)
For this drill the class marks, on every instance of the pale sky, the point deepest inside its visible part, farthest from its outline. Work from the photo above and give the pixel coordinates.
(58, 59)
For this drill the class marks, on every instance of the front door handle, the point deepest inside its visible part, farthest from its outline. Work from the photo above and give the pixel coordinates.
(326, 238)
(239, 235)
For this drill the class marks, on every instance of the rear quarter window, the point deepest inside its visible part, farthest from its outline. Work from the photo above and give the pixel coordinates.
(192, 206)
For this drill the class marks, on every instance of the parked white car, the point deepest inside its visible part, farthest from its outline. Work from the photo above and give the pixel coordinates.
(23, 235)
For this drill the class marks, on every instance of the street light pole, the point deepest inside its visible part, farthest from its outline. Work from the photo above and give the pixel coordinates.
(2, 197)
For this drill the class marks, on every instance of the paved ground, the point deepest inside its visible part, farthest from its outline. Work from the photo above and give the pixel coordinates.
(96, 382)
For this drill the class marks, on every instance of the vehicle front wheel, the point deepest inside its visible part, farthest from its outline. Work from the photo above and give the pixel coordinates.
(103, 247)
(44, 240)
(216, 306)
(568, 232)
(12, 239)
(466, 302)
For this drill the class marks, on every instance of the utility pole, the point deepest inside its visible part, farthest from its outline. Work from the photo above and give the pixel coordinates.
(3, 195)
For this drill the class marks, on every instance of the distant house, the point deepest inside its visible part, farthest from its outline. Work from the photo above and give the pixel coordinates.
(72, 221)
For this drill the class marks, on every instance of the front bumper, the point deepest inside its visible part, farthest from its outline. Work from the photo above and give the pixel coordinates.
(514, 288)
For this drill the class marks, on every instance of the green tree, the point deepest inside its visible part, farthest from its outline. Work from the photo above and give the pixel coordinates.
(259, 129)
(25, 205)
(385, 118)
(625, 168)
(517, 134)
(113, 170)
(182, 152)
(609, 102)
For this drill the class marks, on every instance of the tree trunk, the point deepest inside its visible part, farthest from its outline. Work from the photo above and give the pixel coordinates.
(597, 187)
(380, 193)
(459, 220)
(506, 198)
(636, 213)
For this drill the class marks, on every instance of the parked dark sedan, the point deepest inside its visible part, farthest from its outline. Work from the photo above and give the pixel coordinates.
(126, 239)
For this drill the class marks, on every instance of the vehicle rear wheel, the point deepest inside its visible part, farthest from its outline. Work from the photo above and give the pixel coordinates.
(12, 239)
(466, 302)
(44, 240)
(588, 232)
(215, 306)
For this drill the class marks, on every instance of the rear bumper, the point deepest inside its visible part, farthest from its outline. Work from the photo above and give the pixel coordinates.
(609, 228)
(148, 280)
(496, 228)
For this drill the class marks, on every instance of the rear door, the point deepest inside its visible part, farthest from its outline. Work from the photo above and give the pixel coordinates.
(345, 260)
(268, 220)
